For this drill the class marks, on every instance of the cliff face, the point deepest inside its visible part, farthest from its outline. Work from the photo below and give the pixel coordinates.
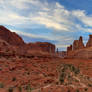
(78, 44)
(89, 43)
(20, 46)
(69, 49)
(42, 46)
(81, 45)
(10, 37)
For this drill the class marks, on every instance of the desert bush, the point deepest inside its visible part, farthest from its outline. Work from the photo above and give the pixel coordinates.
(68, 90)
(62, 77)
(10, 89)
(86, 89)
(28, 88)
(90, 85)
(1, 85)
(77, 90)
(20, 89)
(14, 79)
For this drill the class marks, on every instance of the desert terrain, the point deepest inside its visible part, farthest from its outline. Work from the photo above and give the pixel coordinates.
(37, 67)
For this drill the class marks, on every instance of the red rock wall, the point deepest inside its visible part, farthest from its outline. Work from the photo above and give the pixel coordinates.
(42, 46)
(80, 43)
(89, 43)
(75, 45)
(20, 46)
(11, 37)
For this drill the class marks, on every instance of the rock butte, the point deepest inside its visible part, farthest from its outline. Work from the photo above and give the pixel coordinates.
(78, 50)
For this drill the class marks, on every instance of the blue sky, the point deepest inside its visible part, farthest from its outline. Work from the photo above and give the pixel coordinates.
(57, 21)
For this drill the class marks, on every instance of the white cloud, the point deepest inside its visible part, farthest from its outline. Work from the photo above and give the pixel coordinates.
(29, 13)
(30, 35)
(83, 17)
(49, 23)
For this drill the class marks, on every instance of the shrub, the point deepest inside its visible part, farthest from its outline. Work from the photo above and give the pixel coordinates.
(14, 79)
(86, 89)
(68, 90)
(62, 77)
(77, 90)
(1, 85)
(28, 88)
(20, 89)
(10, 89)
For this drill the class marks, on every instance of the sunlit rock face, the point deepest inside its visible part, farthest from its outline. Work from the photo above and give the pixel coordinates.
(11, 37)
(16, 42)
(78, 44)
(42, 46)
(81, 45)
(89, 43)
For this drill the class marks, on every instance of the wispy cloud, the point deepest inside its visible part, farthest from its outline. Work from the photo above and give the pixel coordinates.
(83, 17)
(38, 13)
(31, 35)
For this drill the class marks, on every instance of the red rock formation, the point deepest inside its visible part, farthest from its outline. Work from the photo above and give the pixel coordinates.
(81, 45)
(89, 43)
(78, 44)
(75, 44)
(11, 37)
(42, 46)
(20, 46)
(69, 48)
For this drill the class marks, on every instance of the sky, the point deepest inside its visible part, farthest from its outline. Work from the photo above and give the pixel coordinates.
(57, 21)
